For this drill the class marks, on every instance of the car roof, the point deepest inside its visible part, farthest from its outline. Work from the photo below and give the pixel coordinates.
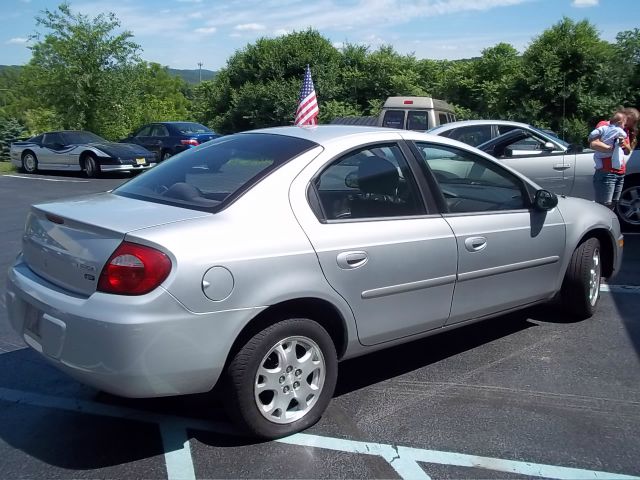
(324, 134)
(463, 123)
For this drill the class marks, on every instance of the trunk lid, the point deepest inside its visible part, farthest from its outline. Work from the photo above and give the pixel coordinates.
(68, 242)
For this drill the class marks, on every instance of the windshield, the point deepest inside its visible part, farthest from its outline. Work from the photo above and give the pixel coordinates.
(189, 128)
(210, 176)
(82, 137)
(551, 136)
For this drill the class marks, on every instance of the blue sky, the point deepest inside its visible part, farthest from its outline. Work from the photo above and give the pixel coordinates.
(181, 33)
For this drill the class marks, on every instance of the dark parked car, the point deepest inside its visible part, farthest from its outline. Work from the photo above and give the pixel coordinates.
(168, 138)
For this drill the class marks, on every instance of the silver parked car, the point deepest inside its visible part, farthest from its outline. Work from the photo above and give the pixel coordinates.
(261, 259)
(73, 150)
(548, 160)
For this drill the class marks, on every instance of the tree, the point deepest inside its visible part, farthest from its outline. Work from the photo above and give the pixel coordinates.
(81, 68)
(628, 64)
(566, 81)
(10, 131)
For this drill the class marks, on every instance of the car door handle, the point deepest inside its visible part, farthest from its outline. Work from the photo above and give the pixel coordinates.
(561, 166)
(348, 260)
(475, 244)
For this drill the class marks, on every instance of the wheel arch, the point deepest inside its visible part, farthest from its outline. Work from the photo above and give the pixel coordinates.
(27, 150)
(607, 248)
(319, 310)
(83, 156)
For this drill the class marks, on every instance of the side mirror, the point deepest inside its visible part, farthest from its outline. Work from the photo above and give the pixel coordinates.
(545, 200)
(351, 180)
(548, 147)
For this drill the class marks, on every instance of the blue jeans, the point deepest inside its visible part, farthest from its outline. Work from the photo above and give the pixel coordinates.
(607, 186)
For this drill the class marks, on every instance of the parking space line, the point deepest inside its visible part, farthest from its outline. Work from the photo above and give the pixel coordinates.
(403, 459)
(46, 179)
(605, 287)
(177, 454)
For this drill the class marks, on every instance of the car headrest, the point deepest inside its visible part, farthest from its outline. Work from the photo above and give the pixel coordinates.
(378, 175)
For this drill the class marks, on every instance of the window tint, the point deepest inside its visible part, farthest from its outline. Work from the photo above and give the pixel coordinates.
(82, 137)
(189, 128)
(159, 131)
(393, 119)
(210, 176)
(417, 120)
(470, 183)
(53, 139)
(473, 135)
(144, 132)
(442, 118)
(371, 182)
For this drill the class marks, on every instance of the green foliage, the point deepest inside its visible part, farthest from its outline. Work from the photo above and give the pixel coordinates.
(572, 73)
(81, 66)
(10, 131)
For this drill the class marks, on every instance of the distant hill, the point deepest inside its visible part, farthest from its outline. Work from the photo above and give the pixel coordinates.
(189, 76)
(193, 76)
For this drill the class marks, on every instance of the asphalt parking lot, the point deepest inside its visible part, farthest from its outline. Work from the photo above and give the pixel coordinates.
(526, 395)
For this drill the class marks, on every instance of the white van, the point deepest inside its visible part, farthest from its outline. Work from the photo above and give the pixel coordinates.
(415, 113)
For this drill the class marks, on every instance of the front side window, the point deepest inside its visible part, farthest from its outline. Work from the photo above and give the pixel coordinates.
(393, 119)
(470, 183)
(53, 139)
(366, 183)
(212, 175)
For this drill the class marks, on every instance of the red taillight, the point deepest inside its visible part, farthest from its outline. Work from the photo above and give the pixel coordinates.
(191, 141)
(134, 270)
(408, 102)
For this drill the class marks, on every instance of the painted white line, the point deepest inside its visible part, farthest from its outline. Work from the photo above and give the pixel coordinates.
(620, 288)
(47, 179)
(403, 459)
(177, 451)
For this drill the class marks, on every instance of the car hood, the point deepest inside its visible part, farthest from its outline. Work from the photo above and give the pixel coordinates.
(122, 150)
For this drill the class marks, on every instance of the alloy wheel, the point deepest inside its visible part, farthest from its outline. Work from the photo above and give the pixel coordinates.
(594, 277)
(289, 380)
(628, 207)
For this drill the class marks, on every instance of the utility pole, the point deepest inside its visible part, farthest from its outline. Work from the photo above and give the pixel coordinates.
(200, 67)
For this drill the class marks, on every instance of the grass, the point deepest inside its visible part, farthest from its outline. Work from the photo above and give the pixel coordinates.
(7, 167)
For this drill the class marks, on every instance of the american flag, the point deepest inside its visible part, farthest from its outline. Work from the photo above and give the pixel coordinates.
(307, 113)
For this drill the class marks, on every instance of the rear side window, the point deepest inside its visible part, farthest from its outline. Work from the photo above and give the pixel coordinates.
(417, 120)
(393, 119)
(212, 175)
(473, 135)
(442, 118)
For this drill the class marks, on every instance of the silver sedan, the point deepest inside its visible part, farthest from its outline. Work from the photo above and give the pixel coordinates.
(554, 164)
(259, 260)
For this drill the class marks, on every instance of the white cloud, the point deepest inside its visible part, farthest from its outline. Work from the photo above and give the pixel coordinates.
(281, 31)
(249, 27)
(206, 30)
(584, 3)
(17, 41)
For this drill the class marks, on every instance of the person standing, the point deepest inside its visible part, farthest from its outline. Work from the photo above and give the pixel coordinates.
(609, 174)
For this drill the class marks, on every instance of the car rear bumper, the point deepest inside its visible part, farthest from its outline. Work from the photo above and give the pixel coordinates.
(144, 346)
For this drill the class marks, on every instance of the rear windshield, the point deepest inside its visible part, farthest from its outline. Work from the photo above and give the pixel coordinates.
(212, 175)
(189, 128)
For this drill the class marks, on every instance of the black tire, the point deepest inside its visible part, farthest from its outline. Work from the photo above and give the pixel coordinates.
(29, 162)
(581, 286)
(628, 208)
(166, 154)
(243, 381)
(91, 166)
